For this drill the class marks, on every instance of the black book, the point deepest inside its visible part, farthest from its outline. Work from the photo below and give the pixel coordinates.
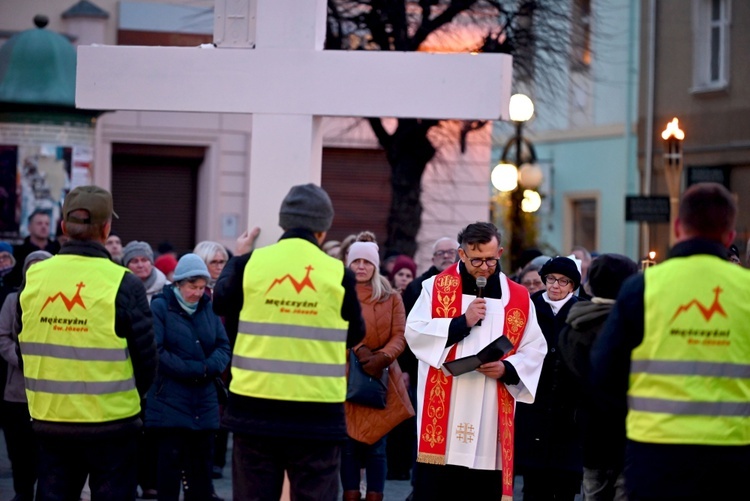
(490, 353)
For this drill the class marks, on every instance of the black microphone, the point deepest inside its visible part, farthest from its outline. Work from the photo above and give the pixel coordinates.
(481, 284)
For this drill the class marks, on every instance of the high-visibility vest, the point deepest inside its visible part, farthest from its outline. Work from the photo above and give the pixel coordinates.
(291, 340)
(690, 377)
(76, 368)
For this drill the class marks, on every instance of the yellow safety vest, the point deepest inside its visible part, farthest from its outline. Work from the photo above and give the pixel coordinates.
(690, 377)
(291, 340)
(77, 369)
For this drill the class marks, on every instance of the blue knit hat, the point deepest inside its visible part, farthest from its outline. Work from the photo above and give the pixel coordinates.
(190, 266)
(6, 247)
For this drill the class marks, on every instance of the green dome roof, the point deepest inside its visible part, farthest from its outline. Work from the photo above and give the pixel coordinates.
(38, 67)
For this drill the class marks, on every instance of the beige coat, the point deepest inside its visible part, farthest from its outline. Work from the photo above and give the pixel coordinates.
(385, 332)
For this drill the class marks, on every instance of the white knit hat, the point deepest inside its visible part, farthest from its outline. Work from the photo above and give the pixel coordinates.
(363, 250)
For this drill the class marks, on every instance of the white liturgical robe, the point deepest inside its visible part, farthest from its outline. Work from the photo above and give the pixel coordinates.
(472, 436)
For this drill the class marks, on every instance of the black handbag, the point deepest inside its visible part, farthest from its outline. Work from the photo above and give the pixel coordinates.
(364, 389)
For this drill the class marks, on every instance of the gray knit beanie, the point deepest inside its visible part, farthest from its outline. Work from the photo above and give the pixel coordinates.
(190, 266)
(306, 206)
(137, 249)
(39, 255)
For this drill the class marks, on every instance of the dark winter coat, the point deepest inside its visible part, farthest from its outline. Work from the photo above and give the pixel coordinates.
(411, 293)
(20, 252)
(282, 418)
(193, 352)
(133, 323)
(681, 470)
(602, 428)
(546, 431)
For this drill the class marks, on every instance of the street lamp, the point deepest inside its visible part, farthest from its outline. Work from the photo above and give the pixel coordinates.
(519, 177)
(673, 137)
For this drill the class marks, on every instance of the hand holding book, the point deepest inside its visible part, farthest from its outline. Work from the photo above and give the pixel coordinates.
(490, 353)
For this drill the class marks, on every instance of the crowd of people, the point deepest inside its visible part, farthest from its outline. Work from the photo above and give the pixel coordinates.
(125, 371)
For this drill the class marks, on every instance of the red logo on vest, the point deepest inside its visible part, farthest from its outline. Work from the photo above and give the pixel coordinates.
(298, 286)
(706, 312)
(69, 303)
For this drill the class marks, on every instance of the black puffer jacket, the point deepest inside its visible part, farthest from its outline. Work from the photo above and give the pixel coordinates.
(132, 322)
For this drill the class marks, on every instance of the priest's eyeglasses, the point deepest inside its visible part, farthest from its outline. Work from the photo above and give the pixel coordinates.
(478, 262)
(562, 280)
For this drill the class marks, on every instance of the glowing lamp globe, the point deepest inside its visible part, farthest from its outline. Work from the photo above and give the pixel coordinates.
(504, 177)
(531, 202)
(530, 176)
(521, 109)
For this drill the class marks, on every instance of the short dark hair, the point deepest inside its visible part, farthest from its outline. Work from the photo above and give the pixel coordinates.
(38, 212)
(478, 233)
(708, 210)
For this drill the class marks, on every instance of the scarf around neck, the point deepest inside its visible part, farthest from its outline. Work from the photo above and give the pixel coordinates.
(556, 305)
(189, 308)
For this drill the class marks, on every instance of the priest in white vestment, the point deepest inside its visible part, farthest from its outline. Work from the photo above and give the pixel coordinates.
(460, 441)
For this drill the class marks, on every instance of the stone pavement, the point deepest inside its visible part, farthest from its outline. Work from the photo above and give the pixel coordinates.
(394, 490)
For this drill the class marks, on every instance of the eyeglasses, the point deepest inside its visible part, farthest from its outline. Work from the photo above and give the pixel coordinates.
(531, 283)
(478, 262)
(562, 281)
(219, 262)
(445, 253)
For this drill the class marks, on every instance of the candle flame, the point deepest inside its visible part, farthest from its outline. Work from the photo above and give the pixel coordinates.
(651, 255)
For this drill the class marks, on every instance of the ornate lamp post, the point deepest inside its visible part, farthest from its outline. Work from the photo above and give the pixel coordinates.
(673, 137)
(518, 177)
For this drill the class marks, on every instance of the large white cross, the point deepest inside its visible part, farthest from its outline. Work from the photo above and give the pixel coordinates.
(288, 82)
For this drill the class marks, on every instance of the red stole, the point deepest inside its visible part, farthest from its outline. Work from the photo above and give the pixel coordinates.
(446, 303)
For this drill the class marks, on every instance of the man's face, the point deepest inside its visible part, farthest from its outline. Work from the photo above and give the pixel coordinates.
(481, 260)
(114, 245)
(445, 254)
(39, 226)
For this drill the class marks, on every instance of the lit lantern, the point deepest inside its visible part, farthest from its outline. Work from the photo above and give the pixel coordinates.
(531, 202)
(504, 177)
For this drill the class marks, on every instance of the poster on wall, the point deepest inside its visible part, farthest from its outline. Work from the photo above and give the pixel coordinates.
(45, 180)
(39, 165)
(9, 206)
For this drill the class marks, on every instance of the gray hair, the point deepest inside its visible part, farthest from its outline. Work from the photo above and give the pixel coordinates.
(453, 241)
(207, 249)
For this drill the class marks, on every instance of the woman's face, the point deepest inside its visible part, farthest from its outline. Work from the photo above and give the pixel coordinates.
(191, 292)
(363, 269)
(140, 266)
(532, 281)
(402, 278)
(216, 264)
(555, 290)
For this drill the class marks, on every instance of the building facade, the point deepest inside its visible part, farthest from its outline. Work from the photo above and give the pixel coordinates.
(183, 177)
(693, 54)
(584, 131)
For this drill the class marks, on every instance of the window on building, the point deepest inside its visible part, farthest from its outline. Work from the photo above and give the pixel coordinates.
(524, 54)
(711, 21)
(581, 35)
(584, 222)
